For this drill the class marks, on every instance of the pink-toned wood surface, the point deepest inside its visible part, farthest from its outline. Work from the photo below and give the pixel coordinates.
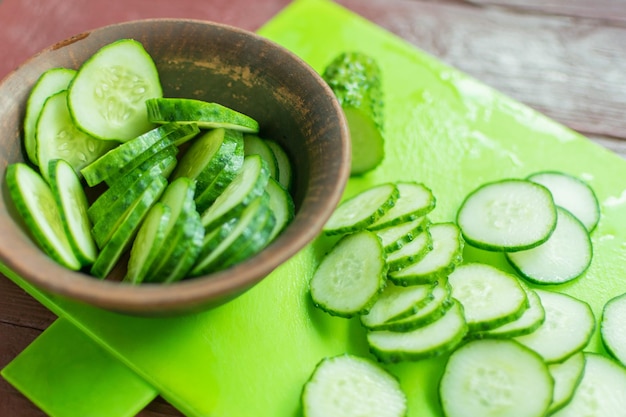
(565, 58)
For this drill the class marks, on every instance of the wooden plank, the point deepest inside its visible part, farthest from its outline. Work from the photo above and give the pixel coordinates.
(570, 70)
(610, 10)
(18, 308)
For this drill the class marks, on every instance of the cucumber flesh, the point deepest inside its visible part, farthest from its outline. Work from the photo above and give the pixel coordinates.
(72, 202)
(567, 329)
(362, 209)
(59, 138)
(490, 297)
(285, 170)
(249, 184)
(507, 215)
(567, 376)
(573, 194)
(150, 237)
(565, 256)
(368, 142)
(282, 206)
(49, 83)
(601, 392)
(253, 144)
(107, 96)
(205, 114)
(414, 251)
(495, 378)
(352, 386)
(351, 276)
(612, 327)
(35, 203)
(396, 236)
(434, 339)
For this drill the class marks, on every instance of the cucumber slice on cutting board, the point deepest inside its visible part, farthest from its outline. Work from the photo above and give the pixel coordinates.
(37, 206)
(355, 78)
(59, 138)
(207, 115)
(49, 83)
(352, 386)
(107, 96)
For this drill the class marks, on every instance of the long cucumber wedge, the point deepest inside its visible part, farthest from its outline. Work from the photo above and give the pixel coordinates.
(107, 96)
(36, 204)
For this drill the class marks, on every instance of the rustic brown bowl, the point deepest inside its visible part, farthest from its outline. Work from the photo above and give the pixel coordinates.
(209, 61)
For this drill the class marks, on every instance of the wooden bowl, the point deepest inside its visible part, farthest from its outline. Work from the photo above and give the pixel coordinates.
(213, 62)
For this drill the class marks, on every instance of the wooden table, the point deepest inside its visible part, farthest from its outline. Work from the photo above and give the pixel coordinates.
(566, 59)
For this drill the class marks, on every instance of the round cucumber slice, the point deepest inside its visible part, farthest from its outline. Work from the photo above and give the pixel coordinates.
(107, 97)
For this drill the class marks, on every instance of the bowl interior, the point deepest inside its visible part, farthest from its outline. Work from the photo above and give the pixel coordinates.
(211, 62)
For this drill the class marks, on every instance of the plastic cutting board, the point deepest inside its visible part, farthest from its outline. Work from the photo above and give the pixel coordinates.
(251, 356)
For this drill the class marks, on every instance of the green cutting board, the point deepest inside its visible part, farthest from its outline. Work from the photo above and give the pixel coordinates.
(251, 356)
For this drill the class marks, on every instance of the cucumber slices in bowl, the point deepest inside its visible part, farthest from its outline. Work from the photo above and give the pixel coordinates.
(169, 181)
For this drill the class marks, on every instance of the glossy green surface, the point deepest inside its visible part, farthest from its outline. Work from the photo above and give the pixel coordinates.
(252, 355)
(66, 374)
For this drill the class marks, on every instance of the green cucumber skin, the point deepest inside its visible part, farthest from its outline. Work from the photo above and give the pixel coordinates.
(63, 254)
(285, 170)
(254, 144)
(161, 163)
(282, 206)
(49, 83)
(72, 202)
(222, 208)
(123, 236)
(205, 114)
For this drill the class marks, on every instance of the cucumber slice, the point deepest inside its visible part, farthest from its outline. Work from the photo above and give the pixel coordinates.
(107, 97)
(571, 193)
(59, 138)
(601, 392)
(568, 327)
(254, 145)
(351, 276)
(282, 206)
(437, 264)
(612, 327)
(352, 386)
(181, 227)
(251, 225)
(356, 80)
(207, 156)
(230, 168)
(72, 202)
(363, 209)
(395, 237)
(49, 83)
(567, 376)
(124, 235)
(431, 311)
(412, 252)
(285, 170)
(490, 297)
(507, 215)
(124, 158)
(249, 184)
(415, 200)
(206, 115)
(530, 320)
(162, 163)
(495, 378)
(565, 256)
(149, 239)
(396, 303)
(35, 203)
(434, 339)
